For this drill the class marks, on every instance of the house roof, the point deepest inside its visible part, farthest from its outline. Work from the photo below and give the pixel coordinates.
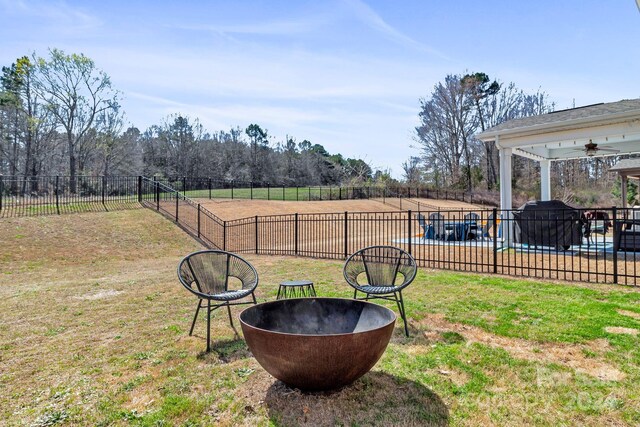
(613, 127)
(627, 167)
(566, 116)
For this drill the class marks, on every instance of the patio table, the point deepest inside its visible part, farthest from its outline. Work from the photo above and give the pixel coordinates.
(296, 289)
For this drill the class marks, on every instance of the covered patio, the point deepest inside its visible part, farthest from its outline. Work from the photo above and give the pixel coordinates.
(627, 169)
(599, 130)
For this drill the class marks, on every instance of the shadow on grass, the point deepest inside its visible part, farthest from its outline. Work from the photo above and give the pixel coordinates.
(228, 350)
(375, 399)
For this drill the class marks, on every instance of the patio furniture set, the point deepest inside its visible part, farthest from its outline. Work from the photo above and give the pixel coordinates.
(223, 279)
(307, 342)
(470, 227)
(539, 224)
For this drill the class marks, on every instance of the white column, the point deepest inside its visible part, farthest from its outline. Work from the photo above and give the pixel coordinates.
(505, 178)
(545, 179)
(506, 202)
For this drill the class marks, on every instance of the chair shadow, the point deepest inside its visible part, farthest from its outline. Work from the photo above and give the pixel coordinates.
(228, 350)
(377, 398)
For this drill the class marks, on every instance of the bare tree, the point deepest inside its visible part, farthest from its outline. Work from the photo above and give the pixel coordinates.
(412, 170)
(446, 130)
(75, 92)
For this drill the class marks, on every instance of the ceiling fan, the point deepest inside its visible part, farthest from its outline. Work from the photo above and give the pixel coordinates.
(591, 148)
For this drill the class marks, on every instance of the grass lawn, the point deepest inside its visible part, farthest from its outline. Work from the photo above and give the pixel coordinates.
(94, 331)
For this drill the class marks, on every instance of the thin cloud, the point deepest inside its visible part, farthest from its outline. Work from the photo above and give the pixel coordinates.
(58, 14)
(279, 28)
(375, 21)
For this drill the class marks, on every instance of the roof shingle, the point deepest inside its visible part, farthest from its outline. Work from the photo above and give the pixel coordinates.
(595, 110)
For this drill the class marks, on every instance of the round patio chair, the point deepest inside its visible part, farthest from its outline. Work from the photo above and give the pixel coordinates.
(381, 272)
(218, 279)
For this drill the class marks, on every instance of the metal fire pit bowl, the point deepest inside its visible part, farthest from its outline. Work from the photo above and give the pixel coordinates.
(317, 343)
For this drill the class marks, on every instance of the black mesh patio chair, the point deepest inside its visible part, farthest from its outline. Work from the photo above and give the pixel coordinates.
(381, 272)
(218, 279)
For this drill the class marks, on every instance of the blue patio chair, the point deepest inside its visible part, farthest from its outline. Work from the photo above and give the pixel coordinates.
(485, 230)
(471, 222)
(423, 223)
(436, 221)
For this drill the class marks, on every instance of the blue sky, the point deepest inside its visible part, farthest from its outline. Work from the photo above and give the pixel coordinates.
(347, 74)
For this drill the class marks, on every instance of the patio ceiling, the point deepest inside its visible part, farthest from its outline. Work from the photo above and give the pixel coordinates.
(562, 135)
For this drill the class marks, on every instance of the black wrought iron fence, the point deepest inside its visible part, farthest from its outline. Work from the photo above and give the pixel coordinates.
(600, 245)
(574, 244)
(46, 195)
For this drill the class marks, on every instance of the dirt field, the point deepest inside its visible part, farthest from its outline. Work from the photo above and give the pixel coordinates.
(241, 208)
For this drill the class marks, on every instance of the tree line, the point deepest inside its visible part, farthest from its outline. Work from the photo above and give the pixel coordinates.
(60, 115)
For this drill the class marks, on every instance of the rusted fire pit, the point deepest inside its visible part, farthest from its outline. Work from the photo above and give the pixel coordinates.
(317, 343)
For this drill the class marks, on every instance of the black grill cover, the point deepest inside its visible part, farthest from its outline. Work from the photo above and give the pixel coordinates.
(548, 223)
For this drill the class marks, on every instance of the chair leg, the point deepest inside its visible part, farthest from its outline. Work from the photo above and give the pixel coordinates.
(254, 298)
(194, 318)
(400, 303)
(355, 292)
(230, 318)
(208, 325)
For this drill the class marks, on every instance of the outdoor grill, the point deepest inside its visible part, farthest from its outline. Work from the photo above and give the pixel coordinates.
(317, 343)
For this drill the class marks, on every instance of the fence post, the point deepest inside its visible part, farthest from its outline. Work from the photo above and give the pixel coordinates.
(283, 193)
(368, 192)
(184, 185)
(139, 190)
(346, 234)
(104, 184)
(1, 191)
(330, 193)
(224, 235)
(256, 234)
(251, 190)
(409, 223)
(198, 220)
(268, 191)
(209, 188)
(340, 192)
(231, 189)
(616, 242)
(295, 235)
(297, 198)
(157, 196)
(320, 193)
(495, 240)
(177, 195)
(57, 195)
(384, 194)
